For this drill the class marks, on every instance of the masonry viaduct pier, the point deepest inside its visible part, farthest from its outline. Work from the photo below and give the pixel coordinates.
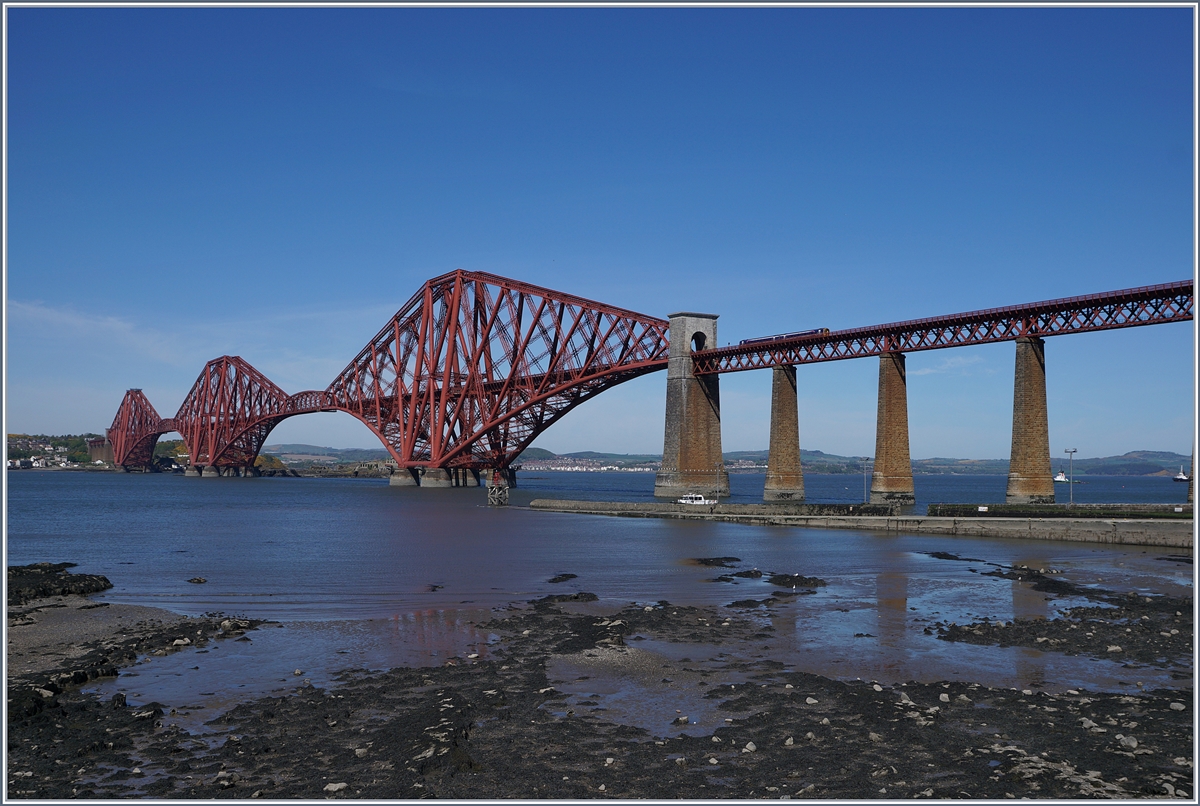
(475, 366)
(692, 447)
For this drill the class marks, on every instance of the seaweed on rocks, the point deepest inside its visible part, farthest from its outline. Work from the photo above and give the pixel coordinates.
(718, 562)
(500, 727)
(796, 581)
(42, 580)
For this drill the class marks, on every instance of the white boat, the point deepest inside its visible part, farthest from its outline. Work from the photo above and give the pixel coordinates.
(1181, 476)
(1061, 477)
(697, 498)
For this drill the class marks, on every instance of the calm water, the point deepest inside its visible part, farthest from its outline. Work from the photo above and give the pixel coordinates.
(348, 548)
(360, 573)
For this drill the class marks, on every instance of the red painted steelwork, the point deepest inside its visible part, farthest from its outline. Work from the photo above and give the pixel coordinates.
(1132, 307)
(475, 366)
(466, 374)
(135, 430)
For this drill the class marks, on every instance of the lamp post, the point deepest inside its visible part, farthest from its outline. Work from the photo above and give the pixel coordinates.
(1071, 475)
(866, 496)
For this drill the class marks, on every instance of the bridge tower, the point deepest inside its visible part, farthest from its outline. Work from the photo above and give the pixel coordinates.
(692, 460)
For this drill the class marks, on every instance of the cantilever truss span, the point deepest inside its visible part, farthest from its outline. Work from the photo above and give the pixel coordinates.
(1131, 307)
(466, 374)
(475, 366)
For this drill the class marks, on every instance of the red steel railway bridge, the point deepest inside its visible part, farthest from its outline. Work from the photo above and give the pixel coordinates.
(475, 366)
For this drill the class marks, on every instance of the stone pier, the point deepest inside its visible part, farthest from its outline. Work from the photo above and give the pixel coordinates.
(1029, 477)
(785, 478)
(403, 477)
(434, 477)
(507, 477)
(692, 461)
(892, 481)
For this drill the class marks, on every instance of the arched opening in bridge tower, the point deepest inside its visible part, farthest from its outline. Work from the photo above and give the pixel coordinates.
(170, 451)
(698, 341)
(324, 438)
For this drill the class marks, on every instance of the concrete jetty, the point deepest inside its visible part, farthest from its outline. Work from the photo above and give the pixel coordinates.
(1176, 534)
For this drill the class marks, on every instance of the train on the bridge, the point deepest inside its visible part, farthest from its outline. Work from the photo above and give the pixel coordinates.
(819, 331)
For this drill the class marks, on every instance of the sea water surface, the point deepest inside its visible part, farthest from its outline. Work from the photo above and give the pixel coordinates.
(359, 573)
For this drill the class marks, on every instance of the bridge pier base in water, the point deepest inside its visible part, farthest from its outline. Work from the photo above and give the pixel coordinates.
(785, 478)
(403, 477)
(692, 460)
(436, 477)
(1029, 478)
(892, 481)
(507, 477)
(203, 471)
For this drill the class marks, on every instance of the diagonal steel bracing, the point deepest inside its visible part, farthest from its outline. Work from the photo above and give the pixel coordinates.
(1131, 307)
(475, 366)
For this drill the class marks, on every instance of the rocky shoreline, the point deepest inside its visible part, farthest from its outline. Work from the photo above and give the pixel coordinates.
(520, 721)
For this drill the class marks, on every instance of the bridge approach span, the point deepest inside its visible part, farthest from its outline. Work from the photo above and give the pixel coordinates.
(1130, 307)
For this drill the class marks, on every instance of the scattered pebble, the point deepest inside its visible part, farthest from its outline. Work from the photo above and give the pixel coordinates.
(338, 787)
(810, 700)
(750, 747)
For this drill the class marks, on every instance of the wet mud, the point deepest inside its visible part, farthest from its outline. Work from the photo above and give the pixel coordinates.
(510, 726)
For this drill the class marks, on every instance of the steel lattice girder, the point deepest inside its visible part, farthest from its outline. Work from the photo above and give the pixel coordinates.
(229, 412)
(1132, 307)
(475, 366)
(135, 431)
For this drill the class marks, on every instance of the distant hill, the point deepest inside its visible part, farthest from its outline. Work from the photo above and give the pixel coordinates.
(615, 457)
(1134, 463)
(301, 451)
(535, 453)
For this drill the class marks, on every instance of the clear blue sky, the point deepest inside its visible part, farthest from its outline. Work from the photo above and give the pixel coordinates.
(275, 183)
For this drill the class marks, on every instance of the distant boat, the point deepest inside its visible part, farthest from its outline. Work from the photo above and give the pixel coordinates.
(1181, 476)
(1062, 477)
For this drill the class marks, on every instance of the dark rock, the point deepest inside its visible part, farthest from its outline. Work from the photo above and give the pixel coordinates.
(718, 562)
(37, 581)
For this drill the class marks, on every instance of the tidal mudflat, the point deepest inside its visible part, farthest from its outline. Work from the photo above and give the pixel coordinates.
(569, 696)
